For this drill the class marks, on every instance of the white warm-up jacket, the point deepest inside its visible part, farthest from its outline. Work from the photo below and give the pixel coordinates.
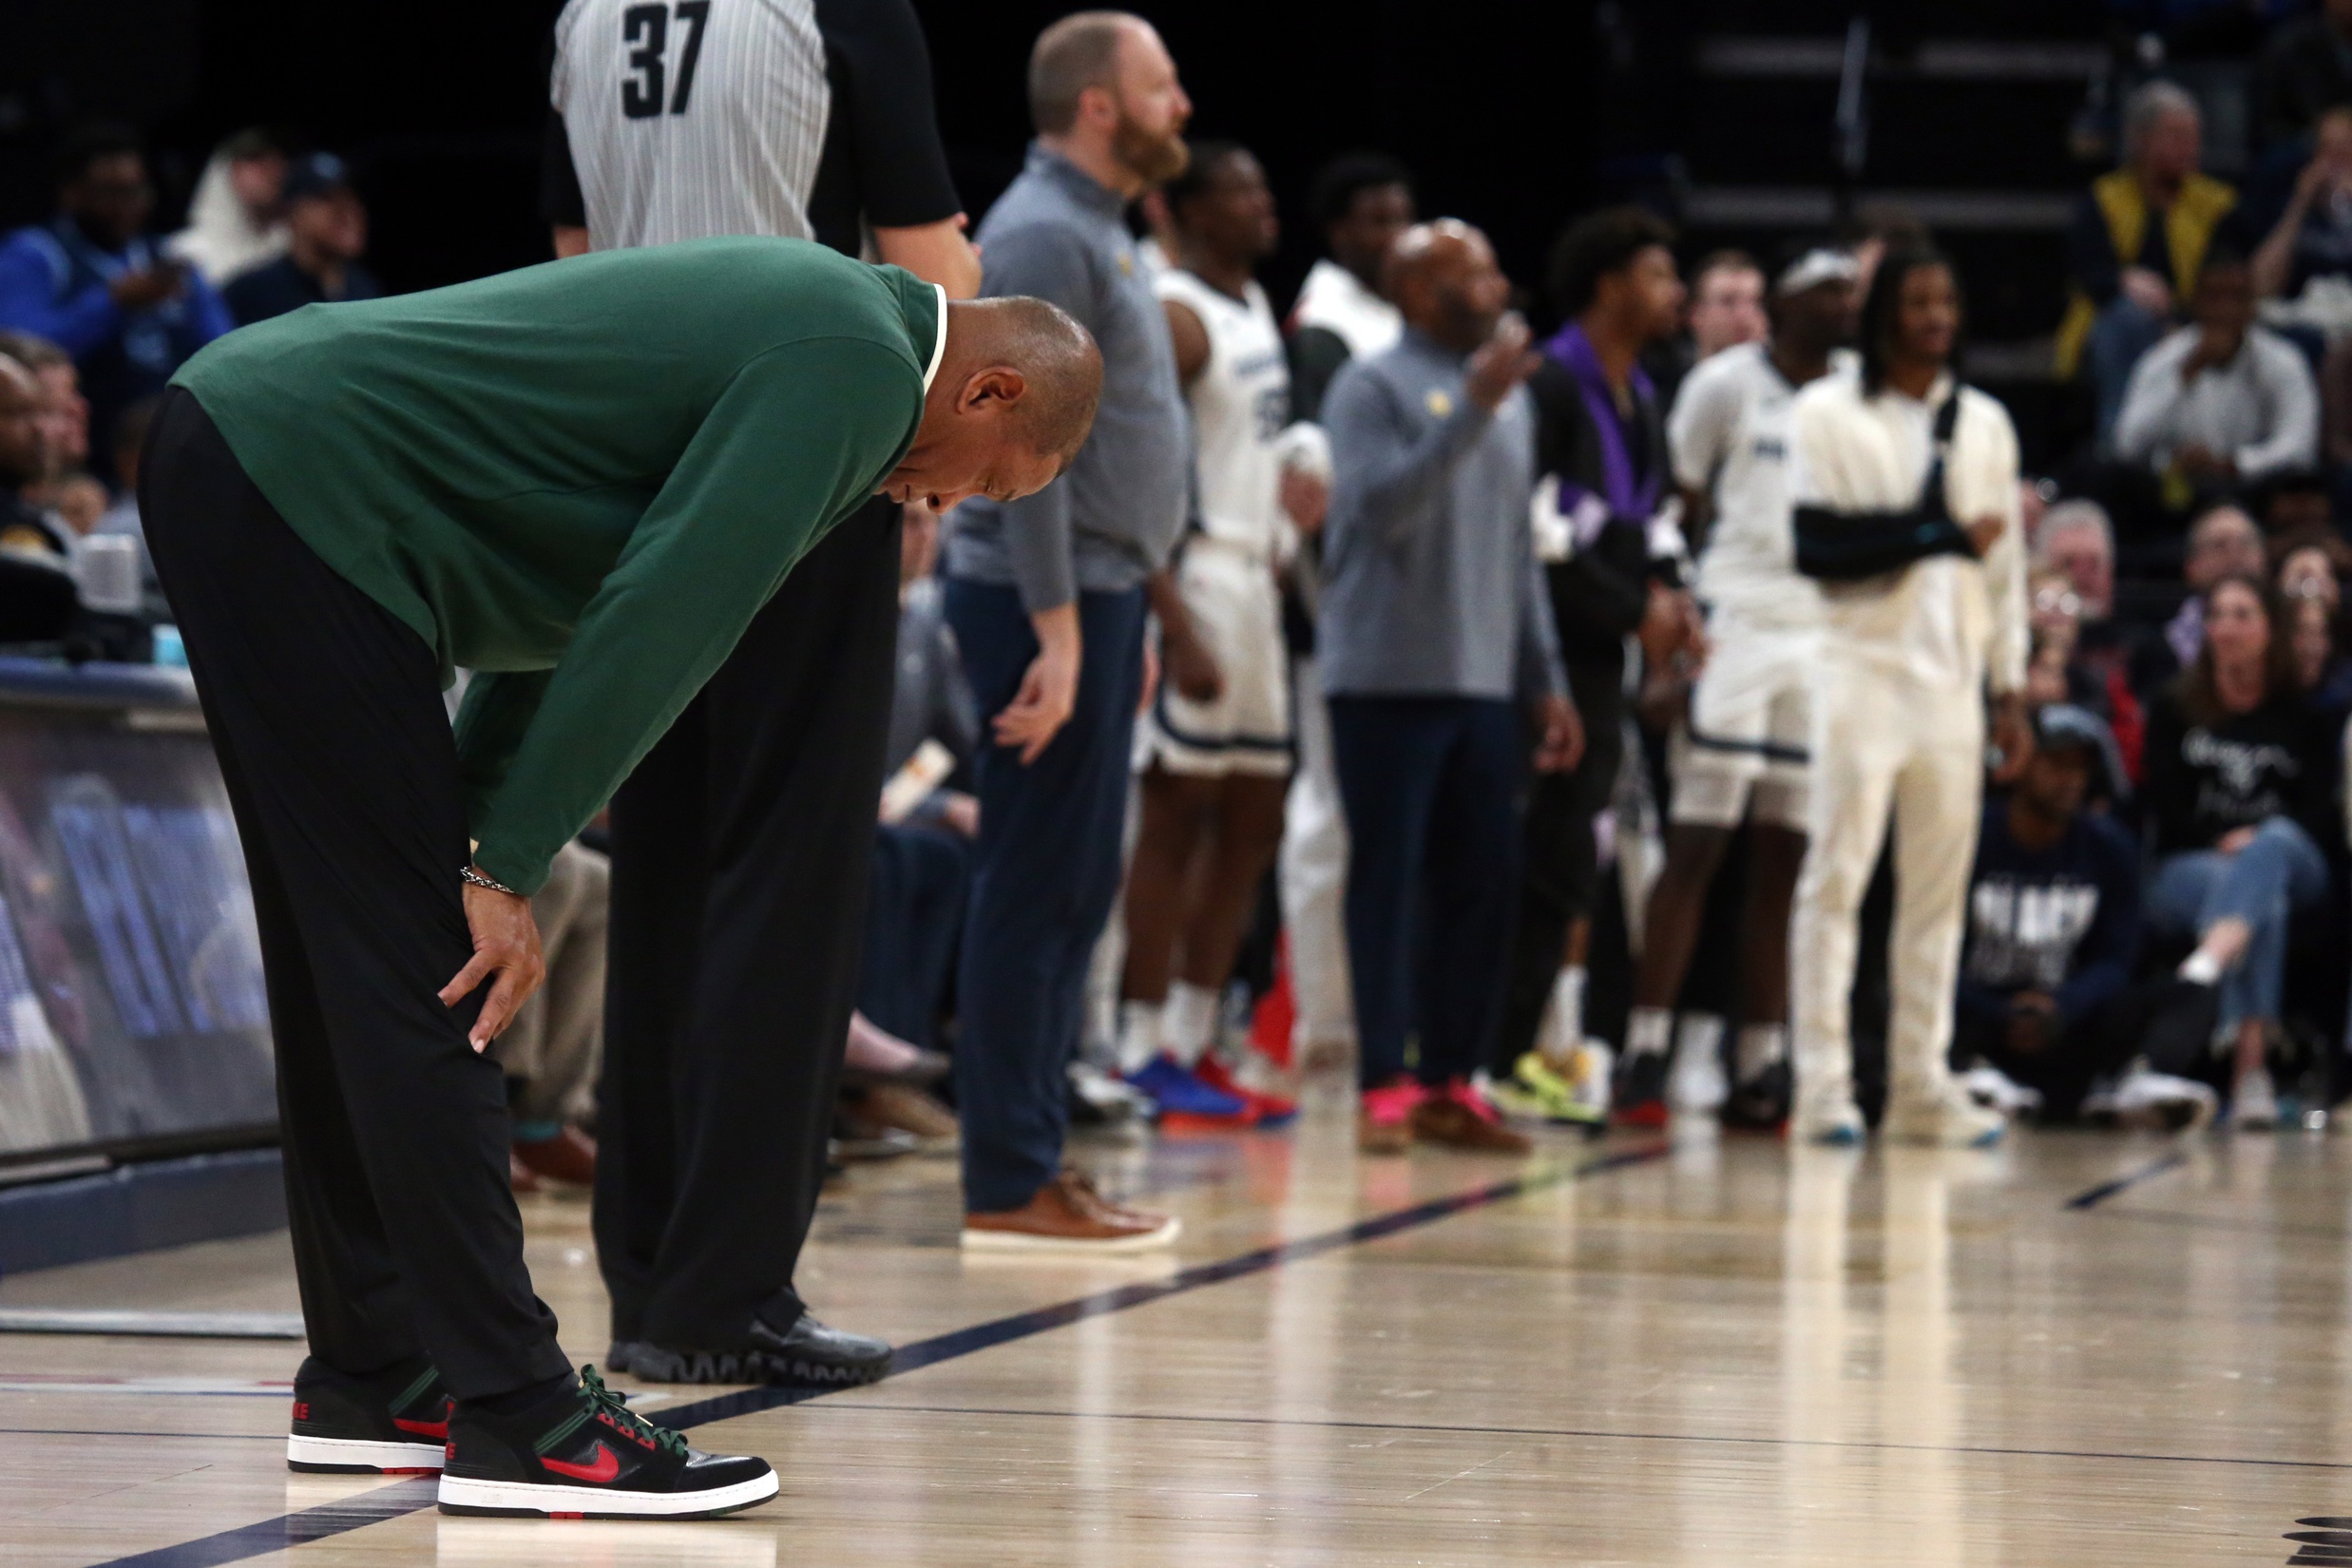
(1949, 622)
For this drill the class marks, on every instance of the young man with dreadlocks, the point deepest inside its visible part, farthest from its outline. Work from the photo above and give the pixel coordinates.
(1905, 488)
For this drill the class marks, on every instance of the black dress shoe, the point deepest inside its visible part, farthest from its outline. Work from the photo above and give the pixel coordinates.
(807, 1355)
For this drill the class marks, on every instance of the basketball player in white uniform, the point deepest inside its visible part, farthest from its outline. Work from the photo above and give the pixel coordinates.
(1741, 754)
(1214, 748)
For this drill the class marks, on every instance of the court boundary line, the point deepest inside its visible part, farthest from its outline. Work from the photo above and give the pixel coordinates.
(2092, 1198)
(306, 1525)
(1985, 1449)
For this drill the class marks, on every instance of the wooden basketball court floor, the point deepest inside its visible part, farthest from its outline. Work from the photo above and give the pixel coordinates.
(2078, 1349)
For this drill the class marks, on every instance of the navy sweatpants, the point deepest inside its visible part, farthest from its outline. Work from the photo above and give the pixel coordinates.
(1430, 785)
(1044, 873)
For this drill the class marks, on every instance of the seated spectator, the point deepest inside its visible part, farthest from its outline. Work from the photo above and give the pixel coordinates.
(2076, 540)
(327, 233)
(551, 1052)
(2310, 585)
(2053, 622)
(235, 222)
(2137, 242)
(2295, 505)
(65, 487)
(38, 599)
(2239, 797)
(2046, 994)
(2222, 541)
(2075, 543)
(23, 460)
(122, 517)
(2303, 72)
(915, 916)
(92, 281)
(2222, 403)
(2313, 236)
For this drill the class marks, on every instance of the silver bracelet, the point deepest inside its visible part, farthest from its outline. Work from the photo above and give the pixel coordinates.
(470, 875)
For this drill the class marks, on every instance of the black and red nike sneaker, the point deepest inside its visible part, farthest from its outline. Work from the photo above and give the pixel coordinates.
(583, 1454)
(391, 1423)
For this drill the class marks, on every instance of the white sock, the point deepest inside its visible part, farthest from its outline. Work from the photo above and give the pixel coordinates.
(1700, 1035)
(2201, 968)
(1649, 1031)
(1568, 1008)
(1189, 1022)
(1138, 1035)
(1761, 1048)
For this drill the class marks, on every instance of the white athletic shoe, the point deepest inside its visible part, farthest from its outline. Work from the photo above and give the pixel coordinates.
(2151, 1101)
(2254, 1105)
(1997, 1091)
(1697, 1085)
(1834, 1122)
(1946, 1120)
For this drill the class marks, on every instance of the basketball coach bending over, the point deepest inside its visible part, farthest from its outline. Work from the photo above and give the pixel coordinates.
(583, 480)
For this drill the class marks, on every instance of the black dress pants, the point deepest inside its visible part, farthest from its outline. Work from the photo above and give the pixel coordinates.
(741, 847)
(1559, 863)
(326, 712)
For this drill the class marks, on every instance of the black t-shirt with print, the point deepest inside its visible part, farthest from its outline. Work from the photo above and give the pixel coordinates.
(2206, 780)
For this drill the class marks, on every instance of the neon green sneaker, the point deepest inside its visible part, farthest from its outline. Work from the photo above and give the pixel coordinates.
(1576, 1097)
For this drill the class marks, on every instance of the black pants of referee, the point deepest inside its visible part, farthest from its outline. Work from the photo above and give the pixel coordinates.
(326, 712)
(741, 847)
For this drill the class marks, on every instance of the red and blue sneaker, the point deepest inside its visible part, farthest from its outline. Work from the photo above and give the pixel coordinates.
(1266, 1110)
(389, 1423)
(1184, 1101)
(583, 1454)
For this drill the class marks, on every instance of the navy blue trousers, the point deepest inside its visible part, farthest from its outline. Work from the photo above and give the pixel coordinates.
(914, 923)
(1430, 784)
(1044, 873)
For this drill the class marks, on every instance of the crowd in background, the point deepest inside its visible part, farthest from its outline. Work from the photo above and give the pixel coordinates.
(1410, 841)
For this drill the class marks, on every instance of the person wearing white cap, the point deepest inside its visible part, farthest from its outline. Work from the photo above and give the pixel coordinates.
(1741, 753)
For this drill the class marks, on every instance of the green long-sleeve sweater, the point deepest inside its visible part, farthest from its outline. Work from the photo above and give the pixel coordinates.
(580, 480)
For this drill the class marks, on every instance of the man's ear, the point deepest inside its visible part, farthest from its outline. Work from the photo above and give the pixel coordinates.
(996, 389)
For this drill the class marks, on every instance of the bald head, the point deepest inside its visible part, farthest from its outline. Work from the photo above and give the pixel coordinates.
(1009, 407)
(1445, 283)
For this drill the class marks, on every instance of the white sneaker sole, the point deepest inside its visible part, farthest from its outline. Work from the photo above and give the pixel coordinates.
(354, 1456)
(1025, 1241)
(462, 1495)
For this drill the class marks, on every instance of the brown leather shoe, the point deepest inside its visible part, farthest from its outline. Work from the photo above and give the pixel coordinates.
(569, 1157)
(1067, 1217)
(1448, 1119)
(1374, 1137)
(911, 1111)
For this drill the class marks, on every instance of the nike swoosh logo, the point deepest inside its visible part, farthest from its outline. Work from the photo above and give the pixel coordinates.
(606, 1466)
(424, 1428)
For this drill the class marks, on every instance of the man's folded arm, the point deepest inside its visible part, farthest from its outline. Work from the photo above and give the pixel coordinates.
(1843, 546)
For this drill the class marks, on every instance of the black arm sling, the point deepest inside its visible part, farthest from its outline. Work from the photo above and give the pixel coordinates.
(1847, 546)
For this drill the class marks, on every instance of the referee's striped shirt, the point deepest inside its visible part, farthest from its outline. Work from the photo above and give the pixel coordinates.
(684, 119)
(692, 117)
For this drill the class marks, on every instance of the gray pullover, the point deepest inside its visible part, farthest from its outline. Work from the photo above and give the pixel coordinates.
(1430, 583)
(1112, 518)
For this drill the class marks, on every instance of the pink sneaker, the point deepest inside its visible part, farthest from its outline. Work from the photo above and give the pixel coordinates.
(1464, 1092)
(1385, 1122)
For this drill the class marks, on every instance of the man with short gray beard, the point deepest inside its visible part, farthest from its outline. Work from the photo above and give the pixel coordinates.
(1047, 597)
